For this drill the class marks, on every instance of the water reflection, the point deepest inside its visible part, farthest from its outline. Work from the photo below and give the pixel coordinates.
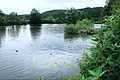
(2, 34)
(74, 37)
(35, 31)
(53, 29)
(13, 31)
(39, 50)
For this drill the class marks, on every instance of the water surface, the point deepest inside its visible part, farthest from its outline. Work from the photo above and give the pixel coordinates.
(27, 52)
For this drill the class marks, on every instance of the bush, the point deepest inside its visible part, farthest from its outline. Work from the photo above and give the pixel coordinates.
(70, 29)
(84, 24)
(104, 61)
(105, 53)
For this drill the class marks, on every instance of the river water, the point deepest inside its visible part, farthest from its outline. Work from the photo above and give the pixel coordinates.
(27, 52)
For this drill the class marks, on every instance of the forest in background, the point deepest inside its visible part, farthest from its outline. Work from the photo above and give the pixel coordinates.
(53, 16)
(94, 14)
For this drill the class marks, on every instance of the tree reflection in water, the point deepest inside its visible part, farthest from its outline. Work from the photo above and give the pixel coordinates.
(76, 36)
(13, 31)
(35, 31)
(2, 34)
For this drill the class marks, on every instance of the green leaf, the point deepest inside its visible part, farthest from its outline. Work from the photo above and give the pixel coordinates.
(83, 77)
(99, 70)
(111, 64)
(89, 78)
(93, 73)
(96, 39)
(95, 78)
(93, 43)
(118, 46)
(118, 59)
(102, 73)
(109, 57)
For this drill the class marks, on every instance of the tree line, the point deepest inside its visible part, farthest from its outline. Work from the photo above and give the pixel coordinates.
(53, 16)
(60, 16)
(12, 19)
(73, 15)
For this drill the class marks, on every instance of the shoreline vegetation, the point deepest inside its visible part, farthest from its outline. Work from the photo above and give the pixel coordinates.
(81, 27)
(104, 61)
(51, 17)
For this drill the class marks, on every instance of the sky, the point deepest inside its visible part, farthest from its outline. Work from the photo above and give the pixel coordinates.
(25, 6)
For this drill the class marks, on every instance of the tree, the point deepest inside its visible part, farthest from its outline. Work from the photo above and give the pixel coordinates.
(94, 13)
(35, 17)
(1, 13)
(74, 15)
(71, 15)
(3, 20)
(110, 8)
(13, 18)
(23, 20)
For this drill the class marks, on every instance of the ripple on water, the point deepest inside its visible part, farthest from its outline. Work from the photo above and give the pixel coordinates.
(27, 52)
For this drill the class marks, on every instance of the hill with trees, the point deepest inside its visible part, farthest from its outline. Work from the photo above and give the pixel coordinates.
(94, 14)
(53, 16)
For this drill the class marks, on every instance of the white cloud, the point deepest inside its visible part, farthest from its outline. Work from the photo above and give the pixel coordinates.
(25, 6)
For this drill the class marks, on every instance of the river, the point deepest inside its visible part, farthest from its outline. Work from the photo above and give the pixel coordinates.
(27, 52)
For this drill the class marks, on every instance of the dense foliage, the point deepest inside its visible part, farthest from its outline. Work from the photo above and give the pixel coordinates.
(111, 6)
(95, 13)
(54, 13)
(104, 61)
(54, 16)
(83, 26)
(72, 15)
(35, 17)
(12, 19)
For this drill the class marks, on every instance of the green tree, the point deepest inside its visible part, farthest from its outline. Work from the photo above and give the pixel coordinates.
(110, 8)
(13, 18)
(1, 13)
(23, 20)
(74, 15)
(95, 13)
(35, 17)
(3, 20)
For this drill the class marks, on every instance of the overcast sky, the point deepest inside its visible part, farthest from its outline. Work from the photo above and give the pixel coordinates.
(25, 6)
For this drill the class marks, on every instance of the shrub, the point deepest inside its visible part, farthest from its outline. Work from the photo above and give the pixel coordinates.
(104, 61)
(84, 24)
(70, 29)
(106, 52)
